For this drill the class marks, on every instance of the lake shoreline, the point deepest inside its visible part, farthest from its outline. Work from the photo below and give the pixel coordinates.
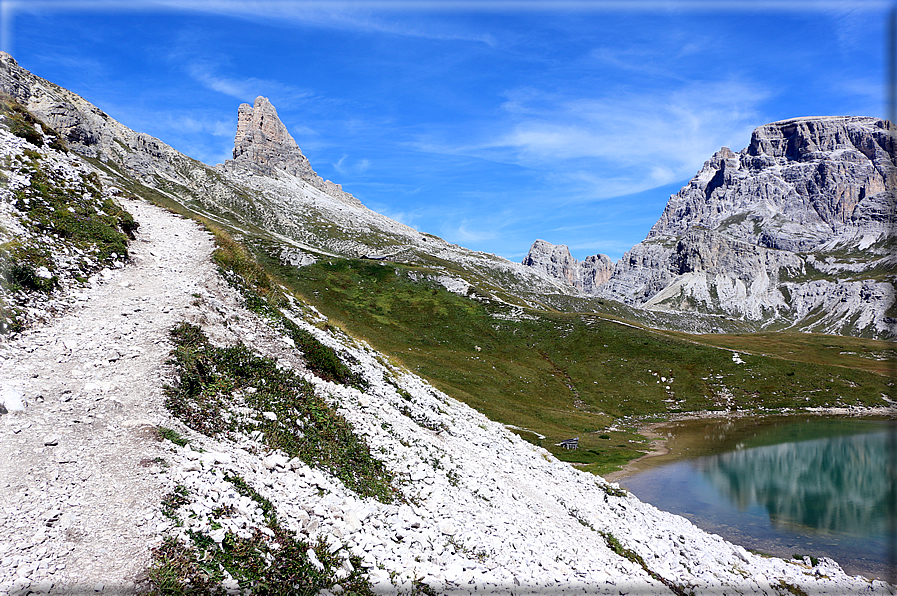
(659, 442)
(708, 435)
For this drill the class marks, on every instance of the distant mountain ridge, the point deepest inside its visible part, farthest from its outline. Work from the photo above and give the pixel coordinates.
(814, 254)
(557, 262)
(794, 231)
(268, 189)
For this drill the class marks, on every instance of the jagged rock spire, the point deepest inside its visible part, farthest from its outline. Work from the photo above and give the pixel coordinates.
(263, 143)
(557, 262)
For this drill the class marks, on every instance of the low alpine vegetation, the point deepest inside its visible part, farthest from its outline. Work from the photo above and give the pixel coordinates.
(268, 561)
(231, 392)
(67, 226)
(262, 297)
(26, 125)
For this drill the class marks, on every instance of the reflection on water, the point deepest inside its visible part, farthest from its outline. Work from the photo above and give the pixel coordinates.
(836, 484)
(814, 486)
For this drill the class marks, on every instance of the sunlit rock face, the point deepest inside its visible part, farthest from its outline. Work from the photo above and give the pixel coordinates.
(792, 231)
(798, 185)
(556, 262)
(808, 484)
(263, 143)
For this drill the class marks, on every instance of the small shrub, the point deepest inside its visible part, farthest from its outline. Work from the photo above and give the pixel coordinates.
(613, 492)
(617, 547)
(22, 124)
(277, 565)
(174, 500)
(21, 276)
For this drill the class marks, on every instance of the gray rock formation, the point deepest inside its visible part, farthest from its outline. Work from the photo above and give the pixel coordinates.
(556, 262)
(269, 187)
(263, 143)
(795, 230)
(799, 185)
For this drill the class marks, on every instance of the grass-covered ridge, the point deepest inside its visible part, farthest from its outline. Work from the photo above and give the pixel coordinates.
(231, 392)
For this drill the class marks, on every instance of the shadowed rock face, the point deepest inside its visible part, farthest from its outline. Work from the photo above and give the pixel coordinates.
(263, 143)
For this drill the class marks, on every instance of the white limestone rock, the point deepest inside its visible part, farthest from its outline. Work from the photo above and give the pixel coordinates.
(556, 262)
(734, 241)
(263, 143)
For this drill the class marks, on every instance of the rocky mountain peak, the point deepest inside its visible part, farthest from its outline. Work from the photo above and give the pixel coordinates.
(264, 144)
(797, 185)
(796, 223)
(556, 262)
(804, 138)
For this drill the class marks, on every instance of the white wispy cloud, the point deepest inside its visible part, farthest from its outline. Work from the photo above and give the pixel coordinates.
(246, 88)
(467, 231)
(356, 167)
(405, 217)
(625, 141)
(377, 16)
(192, 124)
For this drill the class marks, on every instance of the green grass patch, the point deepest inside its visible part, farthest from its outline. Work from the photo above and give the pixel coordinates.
(61, 210)
(60, 215)
(617, 547)
(213, 382)
(173, 436)
(76, 213)
(263, 297)
(22, 123)
(275, 564)
(872, 355)
(791, 588)
(560, 374)
(22, 276)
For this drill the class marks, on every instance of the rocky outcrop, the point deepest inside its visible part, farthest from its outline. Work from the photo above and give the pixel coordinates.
(263, 143)
(556, 262)
(799, 185)
(553, 260)
(594, 271)
(788, 232)
(269, 186)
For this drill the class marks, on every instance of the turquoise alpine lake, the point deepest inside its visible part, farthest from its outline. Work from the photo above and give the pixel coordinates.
(809, 485)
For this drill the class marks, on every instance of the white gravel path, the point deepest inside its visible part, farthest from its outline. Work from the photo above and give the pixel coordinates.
(486, 512)
(79, 494)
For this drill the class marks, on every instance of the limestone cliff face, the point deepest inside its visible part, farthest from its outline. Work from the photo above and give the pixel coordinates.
(799, 185)
(263, 147)
(263, 143)
(795, 230)
(556, 262)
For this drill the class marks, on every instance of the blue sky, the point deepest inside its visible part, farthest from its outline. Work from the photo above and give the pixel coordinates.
(488, 123)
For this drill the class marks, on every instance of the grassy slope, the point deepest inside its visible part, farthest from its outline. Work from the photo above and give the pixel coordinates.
(877, 356)
(563, 374)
